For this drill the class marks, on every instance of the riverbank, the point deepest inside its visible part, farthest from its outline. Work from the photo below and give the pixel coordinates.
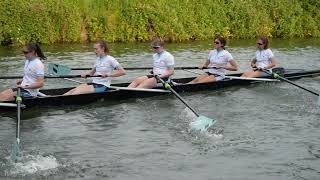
(50, 22)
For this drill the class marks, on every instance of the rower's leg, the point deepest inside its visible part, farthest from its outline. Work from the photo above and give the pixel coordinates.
(207, 79)
(148, 83)
(198, 79)
(7, 95)
(82, 89)
(251, 74)
(135, 83)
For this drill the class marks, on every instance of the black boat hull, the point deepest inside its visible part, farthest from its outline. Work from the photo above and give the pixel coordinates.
(55, 98)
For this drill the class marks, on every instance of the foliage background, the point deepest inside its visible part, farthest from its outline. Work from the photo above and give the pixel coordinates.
(53, 21)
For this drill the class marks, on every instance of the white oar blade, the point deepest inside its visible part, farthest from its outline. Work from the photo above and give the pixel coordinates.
(318, 101)
(202, 123)
(16, 154)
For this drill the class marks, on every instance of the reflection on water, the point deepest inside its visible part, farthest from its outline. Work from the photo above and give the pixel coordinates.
(263, 131)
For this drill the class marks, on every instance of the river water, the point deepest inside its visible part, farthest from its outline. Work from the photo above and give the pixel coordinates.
(266, 131)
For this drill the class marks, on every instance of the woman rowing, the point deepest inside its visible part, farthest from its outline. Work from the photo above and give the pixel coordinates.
(218, 61)
(163, 66)
(105, 66)
(33, 78)
(263, 60)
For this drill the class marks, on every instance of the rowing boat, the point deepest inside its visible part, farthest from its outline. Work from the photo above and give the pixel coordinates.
(54, 97)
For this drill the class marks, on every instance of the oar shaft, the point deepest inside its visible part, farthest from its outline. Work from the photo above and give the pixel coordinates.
(11, 77)
(297, 85)
(18, 100)
(142, 68)
(178, 96)
(69, 76)
(290, 82)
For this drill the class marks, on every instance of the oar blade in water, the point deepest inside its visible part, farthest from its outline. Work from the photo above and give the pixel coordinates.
(58, 70)
(16, 154)
(202, 123)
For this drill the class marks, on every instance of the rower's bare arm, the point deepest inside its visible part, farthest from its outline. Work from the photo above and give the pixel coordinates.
(271, 65)
(167, 73)
(18, 82)
(205, 64)
(118, 72)
(273, 62)
(88, 73)
(38, 84)
(233, 66)
(253, 62)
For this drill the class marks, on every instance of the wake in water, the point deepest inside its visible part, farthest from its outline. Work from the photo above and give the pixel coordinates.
(32, 164)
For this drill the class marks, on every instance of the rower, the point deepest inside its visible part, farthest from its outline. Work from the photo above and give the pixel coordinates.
(263, 60)
(218, 61)
(163, 66)
(33, 78)
(105, 66)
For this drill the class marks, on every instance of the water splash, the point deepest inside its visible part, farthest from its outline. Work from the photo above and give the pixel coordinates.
(32, 164)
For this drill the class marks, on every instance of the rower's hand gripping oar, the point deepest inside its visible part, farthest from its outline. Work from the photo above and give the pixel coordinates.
(202, 123)
(15, 152)
(277, 76)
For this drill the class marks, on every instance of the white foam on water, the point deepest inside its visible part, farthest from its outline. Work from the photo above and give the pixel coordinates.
(214, 134)
(187, 114)
(32, 164)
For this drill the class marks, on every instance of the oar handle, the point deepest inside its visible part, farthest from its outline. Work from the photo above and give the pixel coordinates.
(277, 76)
(167, 86)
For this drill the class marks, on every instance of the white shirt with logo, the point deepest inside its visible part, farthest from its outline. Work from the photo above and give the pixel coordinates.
(162, 62)
(33, 69)
(263, 57)
(103, 65)
(221, 58)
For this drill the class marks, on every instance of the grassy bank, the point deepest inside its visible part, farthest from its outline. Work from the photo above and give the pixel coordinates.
(54, 21)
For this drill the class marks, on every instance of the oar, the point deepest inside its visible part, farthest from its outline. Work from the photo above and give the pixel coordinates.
(64, 70)
(277, 76)
(202, 123)
(16, 153)
(240, 78)
(49, 77)
(55, 68)
(252, 79)
(61, 70)
(11, 105)
(59, 67)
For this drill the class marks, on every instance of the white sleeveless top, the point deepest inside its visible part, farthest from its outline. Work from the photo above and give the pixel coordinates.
(162, 61)
(103, 65)
(221, 57)
(33, 69)
(263, 57)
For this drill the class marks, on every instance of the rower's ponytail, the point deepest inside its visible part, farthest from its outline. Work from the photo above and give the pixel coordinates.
(36, 48)
(40, 53)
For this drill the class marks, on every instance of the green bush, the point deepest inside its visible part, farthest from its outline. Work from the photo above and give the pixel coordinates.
(55, 21)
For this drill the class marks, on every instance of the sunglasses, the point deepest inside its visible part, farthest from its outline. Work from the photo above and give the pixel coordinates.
(259, 44)
(216, 42)
(156, 47)
(25, 52)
